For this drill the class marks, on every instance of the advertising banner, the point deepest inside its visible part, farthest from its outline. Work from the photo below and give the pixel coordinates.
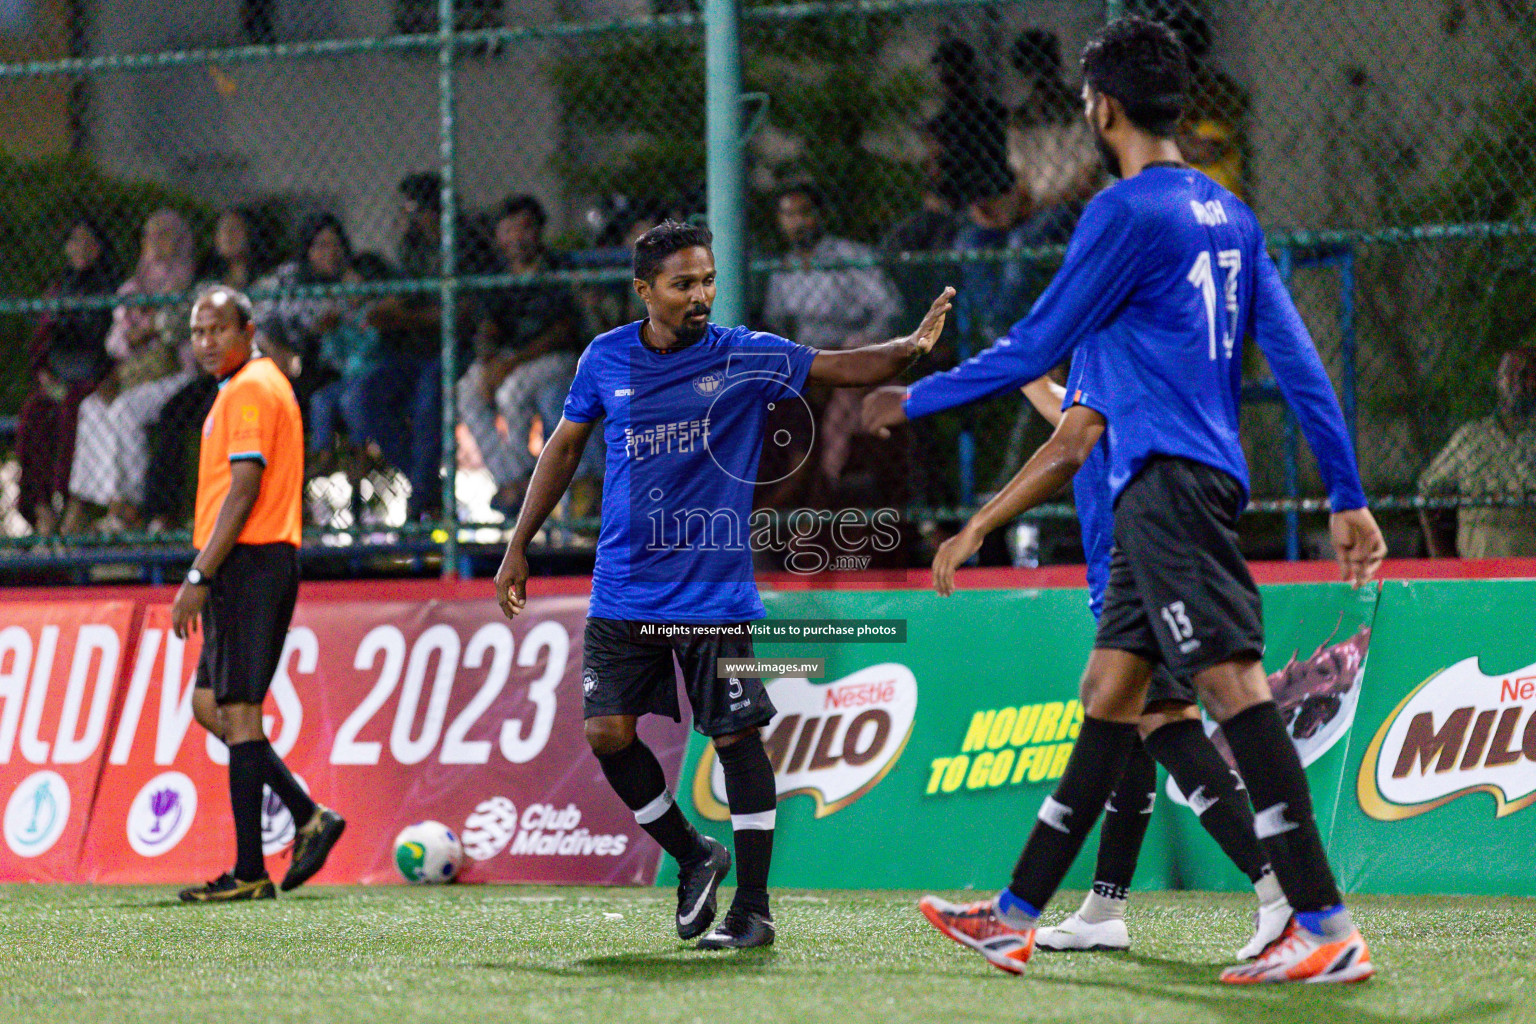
(919, 763)
(1443, 754)
(923, 764)
(1318, 637)
(58, 677)
(391, 712)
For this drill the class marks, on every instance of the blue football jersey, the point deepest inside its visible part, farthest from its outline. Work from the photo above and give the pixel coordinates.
(1168, 273)
(684, 432)
(1090, 484)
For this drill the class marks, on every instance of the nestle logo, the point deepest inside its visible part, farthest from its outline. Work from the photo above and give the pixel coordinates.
(860, 695)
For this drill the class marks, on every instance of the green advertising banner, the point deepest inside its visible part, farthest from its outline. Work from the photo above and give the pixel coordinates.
(1442, 758)
(923, 764)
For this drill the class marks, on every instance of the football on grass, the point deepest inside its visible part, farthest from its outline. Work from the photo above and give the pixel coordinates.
(428, 851)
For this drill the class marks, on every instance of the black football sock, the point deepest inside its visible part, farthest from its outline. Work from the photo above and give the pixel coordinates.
(1212, 791)
(1067, 815)
(1282, 806)
(246, 773)
(636, 775)
(277, 776)
(1126, 817)
(749, 790)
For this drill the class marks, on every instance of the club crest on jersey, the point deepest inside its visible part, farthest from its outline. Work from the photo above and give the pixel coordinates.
(709, 384)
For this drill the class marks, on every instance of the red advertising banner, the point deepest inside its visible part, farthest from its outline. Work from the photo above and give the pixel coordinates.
(391, 712)
(59, 666)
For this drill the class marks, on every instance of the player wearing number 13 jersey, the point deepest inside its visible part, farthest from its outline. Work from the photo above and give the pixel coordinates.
(1165, 276)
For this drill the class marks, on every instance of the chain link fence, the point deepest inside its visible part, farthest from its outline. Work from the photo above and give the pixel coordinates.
(305, 151)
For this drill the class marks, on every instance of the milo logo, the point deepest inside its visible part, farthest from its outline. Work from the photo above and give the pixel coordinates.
(1458, 732)
(832, 742)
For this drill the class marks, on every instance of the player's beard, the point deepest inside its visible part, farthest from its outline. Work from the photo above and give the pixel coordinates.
(1107, 156)
(687, 332)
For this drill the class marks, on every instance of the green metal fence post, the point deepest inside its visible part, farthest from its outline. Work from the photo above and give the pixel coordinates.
(448, 288)
(726, 159)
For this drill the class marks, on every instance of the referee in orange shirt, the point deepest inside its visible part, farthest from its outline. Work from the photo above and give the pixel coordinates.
(244, 582)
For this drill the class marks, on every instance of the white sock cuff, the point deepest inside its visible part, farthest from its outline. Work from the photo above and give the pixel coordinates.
(1268, 888)
(762, 821)
(1097, 909)
(655, 809)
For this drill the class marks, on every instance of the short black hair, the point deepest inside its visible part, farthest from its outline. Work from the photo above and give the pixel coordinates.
(424, 188)
(663, 240)
(1143, 65)
(522, 203)
(242, 303)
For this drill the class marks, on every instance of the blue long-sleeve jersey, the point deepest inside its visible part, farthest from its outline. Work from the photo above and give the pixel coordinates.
(1166, 273)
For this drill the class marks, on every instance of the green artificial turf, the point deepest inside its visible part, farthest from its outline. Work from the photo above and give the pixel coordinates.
(496, 953)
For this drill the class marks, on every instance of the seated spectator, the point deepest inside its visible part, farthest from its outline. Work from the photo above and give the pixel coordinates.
(152, 348)
(352, 350)
(68, 362)
(1211, 135)
(1050, 146)
(827, 308)
(238, 256)
(525, 353)
(1486, 462)
(969, 133)
(409, 385)
(289, 326)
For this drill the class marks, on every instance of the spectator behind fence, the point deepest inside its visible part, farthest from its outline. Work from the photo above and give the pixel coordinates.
(239, 254)
(1050, 146)
(526, 345)
(153, 362)
(968, 135)
(827, 308)
(1489, 460)
(68, 361)
(1211, 136)
(408, 417)
(352, 351)
(289, 327)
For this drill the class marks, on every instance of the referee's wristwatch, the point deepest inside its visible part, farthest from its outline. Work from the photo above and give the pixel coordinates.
(197, 578)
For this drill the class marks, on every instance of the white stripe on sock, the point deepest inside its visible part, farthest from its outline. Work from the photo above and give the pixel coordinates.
(655, 809)
(762, 820)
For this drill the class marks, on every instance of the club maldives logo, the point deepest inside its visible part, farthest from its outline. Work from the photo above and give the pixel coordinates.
(161, 815)
(1459, 732)
(833, 742)
(489, 827)
(36, 814)
(276, 821)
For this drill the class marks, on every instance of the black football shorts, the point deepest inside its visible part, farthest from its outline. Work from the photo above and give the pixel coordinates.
(245, 621)
(1180, 593)
(627, 669)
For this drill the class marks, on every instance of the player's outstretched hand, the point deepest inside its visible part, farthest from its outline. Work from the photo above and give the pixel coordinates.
(952, 554)
(1358, 543)
(933, 322)
(883, 410)
(512, 581)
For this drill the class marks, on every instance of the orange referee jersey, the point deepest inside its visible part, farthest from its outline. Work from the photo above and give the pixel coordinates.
(255, 416)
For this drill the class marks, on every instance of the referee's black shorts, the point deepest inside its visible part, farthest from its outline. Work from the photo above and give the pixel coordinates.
(1180, 593)
(627, 670)
(245, 621)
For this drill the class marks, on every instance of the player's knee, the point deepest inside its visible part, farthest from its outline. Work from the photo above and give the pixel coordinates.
(242, 723)
(1162, 713)
(609, 735)
(1103, 700)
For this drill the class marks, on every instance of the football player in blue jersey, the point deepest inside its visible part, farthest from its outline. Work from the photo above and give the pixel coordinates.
(683, 402)
(1170, 729)
(1164, 277)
